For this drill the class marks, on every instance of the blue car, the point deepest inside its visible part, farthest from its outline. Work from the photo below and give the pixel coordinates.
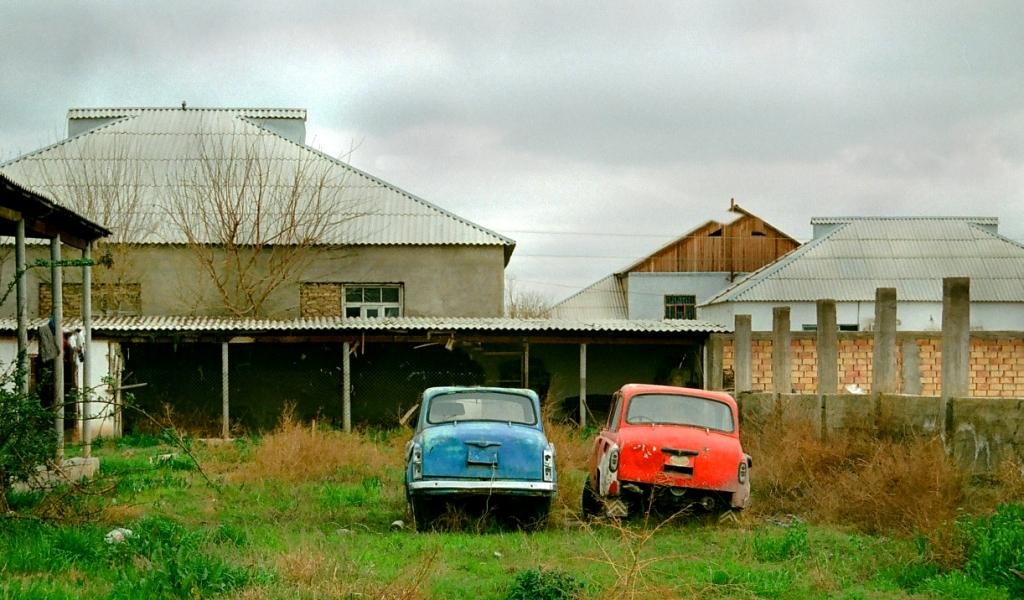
(479, 443)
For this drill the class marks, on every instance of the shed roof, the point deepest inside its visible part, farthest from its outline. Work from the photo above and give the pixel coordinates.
(154, 154)
(911, 254)
(184, 324)
(603, 299)
(43, 218)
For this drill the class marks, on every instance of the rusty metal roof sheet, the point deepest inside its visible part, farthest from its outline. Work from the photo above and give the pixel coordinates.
(183, 324)
(153, 156)
(911, 254)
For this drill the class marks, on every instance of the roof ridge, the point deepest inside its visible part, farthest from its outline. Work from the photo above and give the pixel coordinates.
(72, 112)
(968, 219)
(66, 140)
(584, 289)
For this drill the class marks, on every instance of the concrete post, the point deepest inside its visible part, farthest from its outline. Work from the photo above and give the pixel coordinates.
(741, 352)
(780, 350)
(225, 394)
(583, 386)
(83, 413)
(21, 299)
(827, 347)
(956, 337)
(714, 363)
(883, 357)
(911, 367)
(57, 295)
(346, 387)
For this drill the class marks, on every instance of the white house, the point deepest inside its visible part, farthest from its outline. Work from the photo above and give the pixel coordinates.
(849, 257)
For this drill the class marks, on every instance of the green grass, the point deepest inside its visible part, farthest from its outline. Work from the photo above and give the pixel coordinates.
(264, 538)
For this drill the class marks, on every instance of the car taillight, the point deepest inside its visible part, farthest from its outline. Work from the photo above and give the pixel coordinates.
(417, 462)
(549, 463)
(742, 473)
(613, 460)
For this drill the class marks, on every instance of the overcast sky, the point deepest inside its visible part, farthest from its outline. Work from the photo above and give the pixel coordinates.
(590, 133)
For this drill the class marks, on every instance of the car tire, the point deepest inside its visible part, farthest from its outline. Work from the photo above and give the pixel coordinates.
(424, 512)
(591, 504)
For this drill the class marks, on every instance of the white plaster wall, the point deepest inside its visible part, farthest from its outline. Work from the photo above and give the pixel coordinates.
(647, 291)
(911, 316)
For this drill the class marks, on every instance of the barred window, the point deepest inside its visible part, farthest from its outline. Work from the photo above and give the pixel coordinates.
(680, 306)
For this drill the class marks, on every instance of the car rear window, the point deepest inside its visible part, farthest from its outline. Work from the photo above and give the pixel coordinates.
(481, 406)
(677, 409)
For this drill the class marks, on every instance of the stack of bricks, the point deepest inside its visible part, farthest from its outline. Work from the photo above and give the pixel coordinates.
(320, 299)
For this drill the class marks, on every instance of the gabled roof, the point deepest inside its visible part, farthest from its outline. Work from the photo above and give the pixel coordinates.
(154, 152)
(603, 299)
(911, 254)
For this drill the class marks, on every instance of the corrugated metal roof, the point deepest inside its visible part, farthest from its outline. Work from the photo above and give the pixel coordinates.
(911, 254)
(603, 299)
(115, 112)
(113, 325)
(156, 158)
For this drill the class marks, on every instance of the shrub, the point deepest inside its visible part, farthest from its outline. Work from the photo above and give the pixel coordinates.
(995, 548)
(27, 437)
(544, 584)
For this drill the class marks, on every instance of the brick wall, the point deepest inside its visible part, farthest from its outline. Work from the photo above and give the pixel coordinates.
(320, 299)
(997, 363)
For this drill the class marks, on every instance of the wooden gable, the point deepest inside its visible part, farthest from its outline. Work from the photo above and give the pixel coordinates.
(744, 245)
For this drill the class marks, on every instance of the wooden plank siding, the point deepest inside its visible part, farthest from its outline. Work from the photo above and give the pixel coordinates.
(745, 245)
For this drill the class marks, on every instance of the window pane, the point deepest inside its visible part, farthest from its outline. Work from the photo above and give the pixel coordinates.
(371, 294)
(389, 294)
(373, 312)
(676, 409)
(481, 406)
(352, 311)
(353, 294)
(391, 311)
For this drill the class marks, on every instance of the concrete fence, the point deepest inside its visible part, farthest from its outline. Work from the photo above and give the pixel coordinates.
(980, 433)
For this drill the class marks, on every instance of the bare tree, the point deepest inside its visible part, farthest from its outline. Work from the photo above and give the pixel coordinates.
(523, 303)
(254, 213)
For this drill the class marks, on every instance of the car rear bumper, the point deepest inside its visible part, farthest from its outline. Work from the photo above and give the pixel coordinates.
(500, 486)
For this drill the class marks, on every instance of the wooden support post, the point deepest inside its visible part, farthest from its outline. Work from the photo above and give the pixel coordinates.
(526, 365)
(780, 351)
(346, 387)
(225, 424)
(21, 295)
(57, 294)
(86, 391)
(741, 354)
(583, 386)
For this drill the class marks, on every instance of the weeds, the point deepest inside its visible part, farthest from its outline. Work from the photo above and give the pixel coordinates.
(775, 548)
(545, 584)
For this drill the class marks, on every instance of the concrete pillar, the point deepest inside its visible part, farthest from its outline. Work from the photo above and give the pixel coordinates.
(911, 367)
(714, 363)
(583, 386)
(225, 394)
(956, 336)
(741, 352)
(780, 350)
(21, 299)
(86, 395)
(57, 294)
(827, 347)
(346, 387)
(883, 356)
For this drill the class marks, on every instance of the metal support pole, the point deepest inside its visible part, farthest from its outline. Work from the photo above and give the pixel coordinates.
(346, 387)
(583, 386)
(225, 393)
(57, 294)
(86, 395)
(21, 293)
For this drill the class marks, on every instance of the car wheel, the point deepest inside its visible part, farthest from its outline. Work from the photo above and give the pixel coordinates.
(591, 504)
(424, 512)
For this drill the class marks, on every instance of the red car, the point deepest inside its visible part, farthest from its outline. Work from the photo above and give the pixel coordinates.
(667, 447)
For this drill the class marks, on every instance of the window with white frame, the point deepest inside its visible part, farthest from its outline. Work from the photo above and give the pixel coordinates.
(372, 300)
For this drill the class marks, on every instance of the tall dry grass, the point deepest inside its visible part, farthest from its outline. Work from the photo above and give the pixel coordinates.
(856, 479)
(297, 452)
